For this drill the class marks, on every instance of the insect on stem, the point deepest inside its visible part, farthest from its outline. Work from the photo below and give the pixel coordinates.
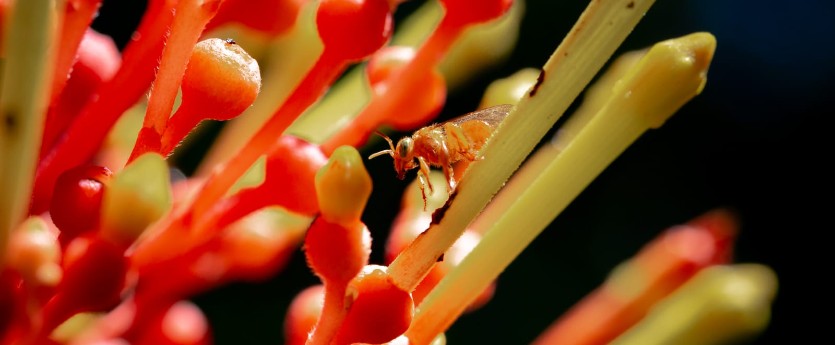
(443, 145)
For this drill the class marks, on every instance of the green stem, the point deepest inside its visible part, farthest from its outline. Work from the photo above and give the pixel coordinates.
(23, 102)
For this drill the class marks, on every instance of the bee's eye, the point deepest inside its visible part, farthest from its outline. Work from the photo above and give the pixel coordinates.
(404, 147)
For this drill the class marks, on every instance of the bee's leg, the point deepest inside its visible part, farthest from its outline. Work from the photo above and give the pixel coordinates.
(447, 165)
(424, 170)
(423, 178)
(423, 182)
(450, 177)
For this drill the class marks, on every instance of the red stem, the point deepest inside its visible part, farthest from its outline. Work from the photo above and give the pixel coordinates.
(77, 18)
(333, 313)
(179, 126)
(192, 16)
(78, 15)
(87, 132)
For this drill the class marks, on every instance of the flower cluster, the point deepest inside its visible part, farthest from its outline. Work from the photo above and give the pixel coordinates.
(101, 244)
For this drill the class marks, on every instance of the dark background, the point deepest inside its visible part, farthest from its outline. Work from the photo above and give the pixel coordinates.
(753, 142)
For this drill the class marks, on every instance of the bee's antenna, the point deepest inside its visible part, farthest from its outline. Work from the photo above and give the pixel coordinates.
(390, 151)
(388, 140)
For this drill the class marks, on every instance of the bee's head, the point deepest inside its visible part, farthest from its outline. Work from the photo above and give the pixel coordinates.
(404, 158)
(402, 154)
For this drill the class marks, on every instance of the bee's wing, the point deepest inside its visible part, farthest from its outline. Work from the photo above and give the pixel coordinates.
(492, 116)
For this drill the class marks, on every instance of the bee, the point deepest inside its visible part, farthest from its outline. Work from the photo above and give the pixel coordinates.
(443, 145)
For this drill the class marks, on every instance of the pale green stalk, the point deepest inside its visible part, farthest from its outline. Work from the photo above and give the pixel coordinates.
(669, 75)
(24, 95)
(593, 99)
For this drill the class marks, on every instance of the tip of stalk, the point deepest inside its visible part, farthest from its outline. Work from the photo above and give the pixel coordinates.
(669, 75)
(700, 47)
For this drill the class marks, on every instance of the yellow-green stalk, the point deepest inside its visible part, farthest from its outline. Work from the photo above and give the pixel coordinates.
(600, 30)
(501, 91)
(719, 305)
(669, 75)
(75, 326)
(27, 75)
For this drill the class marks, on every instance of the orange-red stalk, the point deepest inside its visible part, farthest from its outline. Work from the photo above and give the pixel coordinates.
(78, 14)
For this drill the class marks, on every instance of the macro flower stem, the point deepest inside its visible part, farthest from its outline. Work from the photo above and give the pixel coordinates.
(337, 245)
(600, 30)
(85, 135)
(669, 75)
(26, 78)
(334, 307)
(594, 98)
(191, 16)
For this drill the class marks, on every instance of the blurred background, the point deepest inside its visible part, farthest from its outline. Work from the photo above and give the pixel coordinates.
(753, 143)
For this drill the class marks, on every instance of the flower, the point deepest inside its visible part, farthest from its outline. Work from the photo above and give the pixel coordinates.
(142, 241)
